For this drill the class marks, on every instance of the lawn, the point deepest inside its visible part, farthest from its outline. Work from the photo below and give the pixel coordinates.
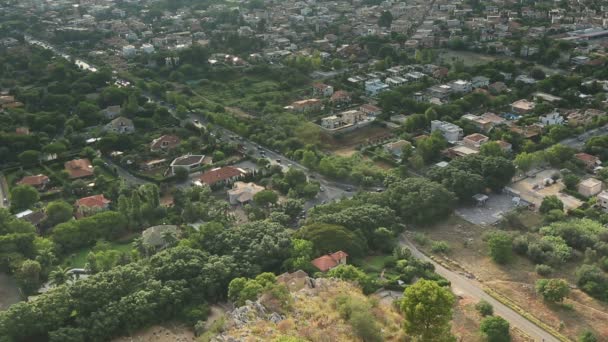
(373, 265)
(79, 259)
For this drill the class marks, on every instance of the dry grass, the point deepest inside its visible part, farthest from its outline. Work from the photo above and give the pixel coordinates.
(516, 280)
(315, 318)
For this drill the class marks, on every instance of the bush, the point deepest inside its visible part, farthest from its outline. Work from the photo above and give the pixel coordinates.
(544, 270)
(500, 246)
(421, 239)
(496, 329)
(484, 308)
(553, 290)
(520, 244)
(440, 247)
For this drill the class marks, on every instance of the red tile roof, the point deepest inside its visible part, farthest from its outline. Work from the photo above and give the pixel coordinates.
(36, 180)
(166, 141)
(221, 174)
(93, 201)
(79, 168)
(476, 137)
(340, 95)
(326, 262)
(587, 158)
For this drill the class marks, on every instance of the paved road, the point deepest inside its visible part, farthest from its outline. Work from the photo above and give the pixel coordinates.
(578, 142)
(124, 174)
(472, 288)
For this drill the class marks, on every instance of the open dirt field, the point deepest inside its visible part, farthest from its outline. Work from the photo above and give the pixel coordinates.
(516, 280)
(346, 144)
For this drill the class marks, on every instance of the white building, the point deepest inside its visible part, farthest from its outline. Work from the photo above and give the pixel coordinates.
(374, 86)
(450, 132)
(602, 200)
(551, 119)
(461, 86)
(128, 51)
(147, 48)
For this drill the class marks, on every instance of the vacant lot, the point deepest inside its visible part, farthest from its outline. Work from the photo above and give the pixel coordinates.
(347, 144)
(516, 280)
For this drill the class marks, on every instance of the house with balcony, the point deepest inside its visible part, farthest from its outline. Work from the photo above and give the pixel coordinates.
(451, 132)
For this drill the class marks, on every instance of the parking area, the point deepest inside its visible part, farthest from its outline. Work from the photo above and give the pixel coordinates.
(535, 188)
(491, 212)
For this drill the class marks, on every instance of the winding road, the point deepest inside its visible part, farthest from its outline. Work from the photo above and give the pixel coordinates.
(472, 288)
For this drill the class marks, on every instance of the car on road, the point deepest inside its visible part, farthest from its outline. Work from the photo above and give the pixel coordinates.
(278, 161)
(349, 189)
(322, 189)
(580, 138)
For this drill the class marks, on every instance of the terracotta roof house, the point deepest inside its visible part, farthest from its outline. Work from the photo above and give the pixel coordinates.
(522, 106)
(590, 161)
(308, 105)
(475, 140)
(22, 131)
(38, 181)
(396, 148)
(87, 206)
(370, 109)
(188, 162)
(164, 143)
(221, 175)
(121, 125)
(340, 97)
(327, 262)
(79, 168)
(243, 193)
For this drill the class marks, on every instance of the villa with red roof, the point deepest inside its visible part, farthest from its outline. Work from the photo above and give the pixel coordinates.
(222, 175)
(327, 262)
(91, 205)
(38, 181)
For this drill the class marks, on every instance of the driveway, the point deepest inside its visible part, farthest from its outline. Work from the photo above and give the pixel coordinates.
(472, 288)
(3, 192)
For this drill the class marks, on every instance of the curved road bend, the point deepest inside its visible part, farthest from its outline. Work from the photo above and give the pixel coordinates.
(472, 288)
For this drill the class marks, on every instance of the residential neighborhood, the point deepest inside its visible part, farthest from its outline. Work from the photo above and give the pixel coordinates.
(303, 170)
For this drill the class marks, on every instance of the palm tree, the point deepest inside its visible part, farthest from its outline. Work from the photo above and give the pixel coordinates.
(60, 276)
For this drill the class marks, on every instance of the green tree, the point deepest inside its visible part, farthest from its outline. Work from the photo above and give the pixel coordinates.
(496, 329)
(28, 276)
(385, 20)
(329, 238)
(427, 308)
(553, 290)
(29, 157)
(420, 200)
(181, 174)
(265, 198)
(58, 212)
(351, 273)
(23, 197)
(500, 245)
(60, 276)
(549, 203)
(587, 336)
(484, 308)
(492, 149)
